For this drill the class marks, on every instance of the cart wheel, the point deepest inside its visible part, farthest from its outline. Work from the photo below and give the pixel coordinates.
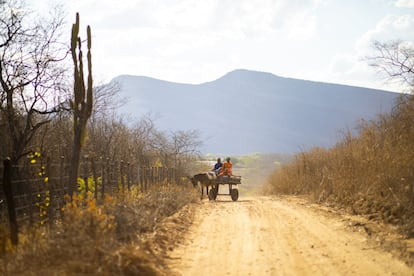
(216, 190)
(212, 195)
(234, 194)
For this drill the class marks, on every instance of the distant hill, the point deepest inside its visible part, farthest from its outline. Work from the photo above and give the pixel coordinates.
(248, 111)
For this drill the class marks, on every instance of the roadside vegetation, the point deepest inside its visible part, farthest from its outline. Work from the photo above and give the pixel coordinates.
(114, 238)
(369, 172)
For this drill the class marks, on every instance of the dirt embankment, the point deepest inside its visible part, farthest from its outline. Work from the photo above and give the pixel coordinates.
(279, 236)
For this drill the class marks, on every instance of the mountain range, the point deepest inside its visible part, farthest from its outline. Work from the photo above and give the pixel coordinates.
(248, 111)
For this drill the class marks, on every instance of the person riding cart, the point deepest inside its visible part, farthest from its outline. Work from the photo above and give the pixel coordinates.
(217, 167)
(227, 169)
(221, 174)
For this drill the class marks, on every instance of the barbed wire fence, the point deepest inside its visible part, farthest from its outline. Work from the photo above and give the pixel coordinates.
(34, 192)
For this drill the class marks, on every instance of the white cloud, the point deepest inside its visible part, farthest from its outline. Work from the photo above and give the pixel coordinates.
(301, 26)
(222, 33)
(196, 41)
(353, 68)
(405, 3)
(389, 28)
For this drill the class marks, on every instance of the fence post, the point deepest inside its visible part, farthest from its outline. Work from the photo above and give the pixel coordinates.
(49, 187)
(61, 172)
(85, 174)
(142, 170)
(116, 177)
(107, 177)
(121, 175)
(174, 176)
(139, 179)
(7, 186)
(95, 179)
(146, 178)
(158, 169)
(129, 176)
(103, 178)
(151, 173)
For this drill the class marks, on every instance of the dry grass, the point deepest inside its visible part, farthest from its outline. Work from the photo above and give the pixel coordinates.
(109, 239)
(371, 173)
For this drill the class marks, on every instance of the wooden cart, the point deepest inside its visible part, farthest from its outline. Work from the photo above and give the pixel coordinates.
(232, 182)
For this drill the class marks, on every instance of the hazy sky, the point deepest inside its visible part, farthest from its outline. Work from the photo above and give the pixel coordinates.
(195, 41)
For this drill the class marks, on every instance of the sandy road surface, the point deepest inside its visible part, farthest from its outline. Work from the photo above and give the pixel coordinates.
(265, 236)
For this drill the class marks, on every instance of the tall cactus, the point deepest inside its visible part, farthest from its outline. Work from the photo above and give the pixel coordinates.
(82, 101)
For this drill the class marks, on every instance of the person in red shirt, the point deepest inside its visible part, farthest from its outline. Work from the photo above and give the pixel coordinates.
(227, 169)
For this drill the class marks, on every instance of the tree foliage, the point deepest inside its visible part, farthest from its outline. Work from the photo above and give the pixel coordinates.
(36, 108)
(31, 75)
(396, 60)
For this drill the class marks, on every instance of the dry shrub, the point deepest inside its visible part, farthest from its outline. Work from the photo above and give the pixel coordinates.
(101, 239)
(137, 213)
(370, 173)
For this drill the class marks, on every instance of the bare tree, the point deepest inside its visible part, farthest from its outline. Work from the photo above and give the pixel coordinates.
(106, 99)
(186, 143)
(142, 139)
(396, 60)
(176, 149)
(186, 146)
(31, 76)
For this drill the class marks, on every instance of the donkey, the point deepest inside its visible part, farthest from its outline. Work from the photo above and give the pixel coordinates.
(206, 180)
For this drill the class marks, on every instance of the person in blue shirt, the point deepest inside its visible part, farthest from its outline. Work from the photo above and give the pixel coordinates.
(217, 166)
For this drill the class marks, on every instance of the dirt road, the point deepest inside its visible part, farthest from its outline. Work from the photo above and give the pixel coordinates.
(268, 236)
